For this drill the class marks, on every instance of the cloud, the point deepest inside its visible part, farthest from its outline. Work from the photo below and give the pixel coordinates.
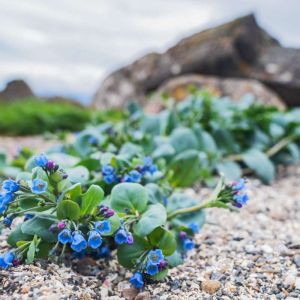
(66, 47)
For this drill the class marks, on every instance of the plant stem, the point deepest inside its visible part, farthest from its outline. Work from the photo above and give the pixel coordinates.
(271, 152)
(280, 145)
(191, 209)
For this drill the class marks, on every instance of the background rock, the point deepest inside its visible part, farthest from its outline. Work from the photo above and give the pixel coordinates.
(16, 89)
(236, 49)
(234, 88)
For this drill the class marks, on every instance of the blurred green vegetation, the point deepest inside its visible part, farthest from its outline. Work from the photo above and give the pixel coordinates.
(34, 116)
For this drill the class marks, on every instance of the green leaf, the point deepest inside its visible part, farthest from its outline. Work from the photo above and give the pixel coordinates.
(39, 225)
(17, 235)
(153, 217)
(260, 164)
(183, 139)
(73, 192)
(31, 252)
(78, 174)
(67, 209)
(230, 169)
(161, 275)
(28, 203)
(128, 254)
(91, 199)
(164, 240)
(205, 140)
(155, 194)
(64, 160)
(186, 168)
(175, 259)
(129, 196)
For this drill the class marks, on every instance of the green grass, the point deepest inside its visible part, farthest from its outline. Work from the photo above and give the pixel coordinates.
(34, 116)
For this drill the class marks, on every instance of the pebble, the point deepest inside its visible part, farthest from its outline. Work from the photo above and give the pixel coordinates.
(211, 286)
(297, 260)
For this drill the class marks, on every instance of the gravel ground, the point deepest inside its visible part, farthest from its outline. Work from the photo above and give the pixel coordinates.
(254, 254)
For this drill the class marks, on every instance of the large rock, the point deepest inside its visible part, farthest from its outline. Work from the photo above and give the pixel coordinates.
(236, 49)
(16, 89)
(234, 88)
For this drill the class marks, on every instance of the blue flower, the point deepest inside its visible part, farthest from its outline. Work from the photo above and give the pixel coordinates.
(148, 166)
(152, 269)
(137, 280)
(155, 256)
(148, 161)
(95, 239)
(121, 237)
(41, 160)
(6, 197)
(109, 179)
(79, 243)
(93, 140)
(10, 185)
(241, 199)
(103, 226)
(103, 252)
(65, 236)
(6, 260)
(108, 170)
(7, 222)
(133, 176)
(39, 186)
(194, 227)
(240, 185)
(188, 245)
(130, 240)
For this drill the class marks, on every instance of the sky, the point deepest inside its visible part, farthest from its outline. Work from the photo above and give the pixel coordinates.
(67, 47)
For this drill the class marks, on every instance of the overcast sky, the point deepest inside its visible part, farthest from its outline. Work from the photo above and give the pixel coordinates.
(66, 47)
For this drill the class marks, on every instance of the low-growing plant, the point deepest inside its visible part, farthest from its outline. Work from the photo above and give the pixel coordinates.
(115, 203)
(202, 136)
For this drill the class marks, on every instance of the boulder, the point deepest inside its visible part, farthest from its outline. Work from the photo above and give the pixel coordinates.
(239, 48)
(234, 88)
(16, 89)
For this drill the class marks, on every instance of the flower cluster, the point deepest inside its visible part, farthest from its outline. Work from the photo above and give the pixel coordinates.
(45, 163)
(153, 263)
(235, 194)
(187, 243)
(122, 236)
(147, 168)
(77, 239)
(240, 197)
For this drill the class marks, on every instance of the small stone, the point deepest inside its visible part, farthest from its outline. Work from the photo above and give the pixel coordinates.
(289, 281)
(130, 293)
(211, 286)
(267, 249)
(143, 296)
(25, 290)
(250, 249)
(297, 285)
(297, 260)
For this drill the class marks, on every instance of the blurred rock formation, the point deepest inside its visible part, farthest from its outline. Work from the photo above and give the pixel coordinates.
(15, 90)
(238, 49)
